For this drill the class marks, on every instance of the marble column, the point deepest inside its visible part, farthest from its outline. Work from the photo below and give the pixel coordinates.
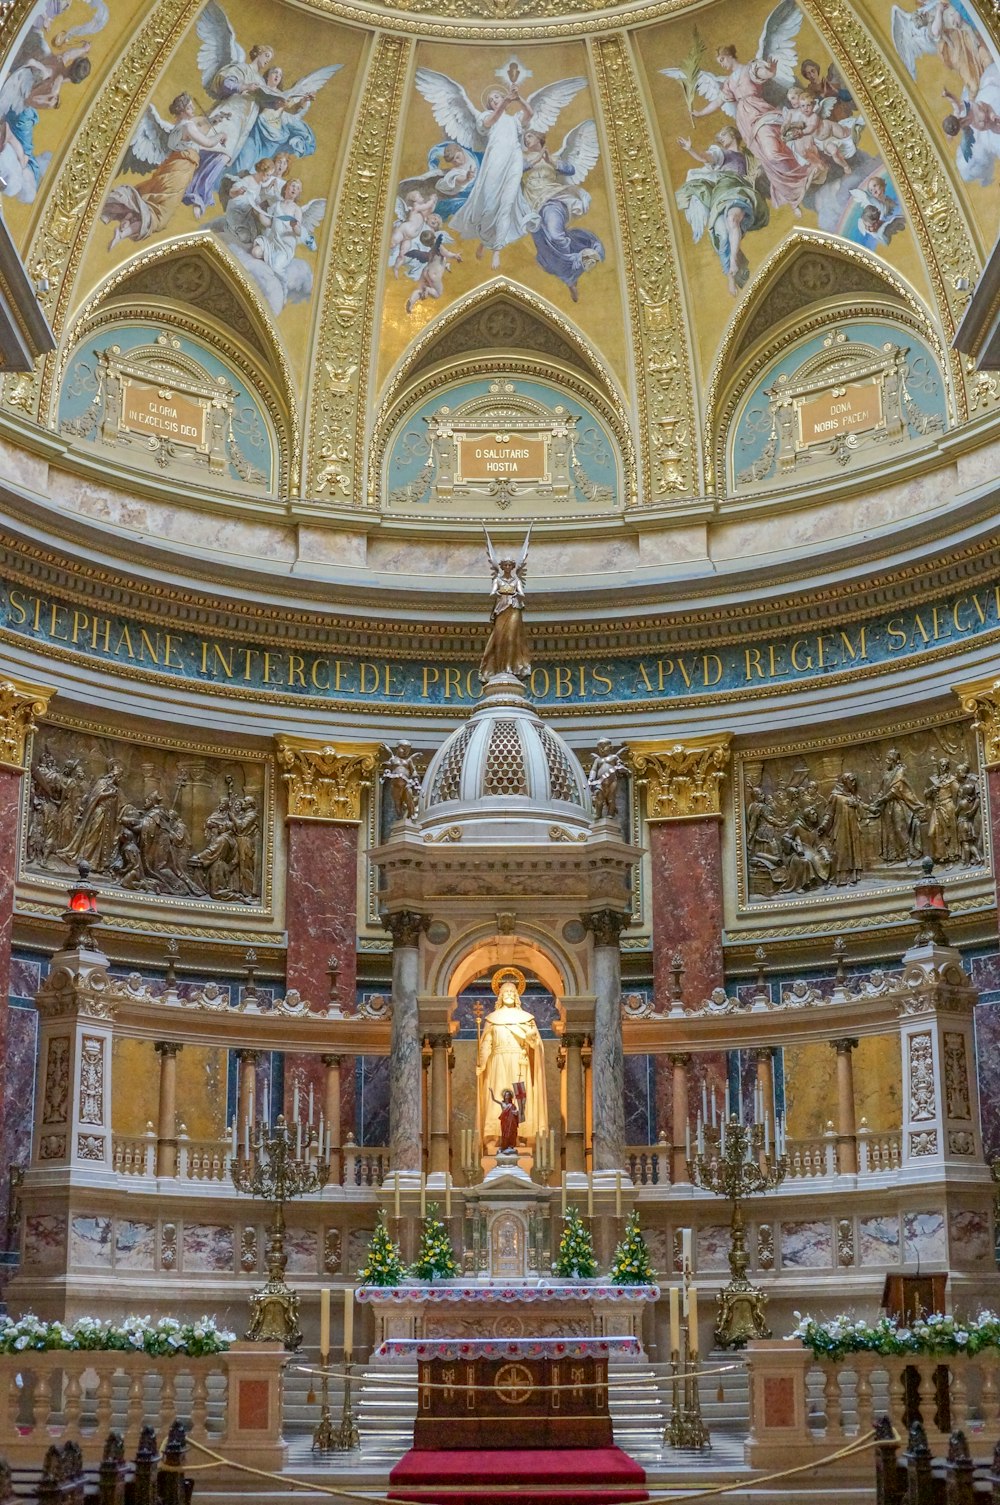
(608, 1067)
(576, 1161)
(405, 1067)
(440, 1136)
(847, 1140)
(982, 702)
(325, 787)
(331, 1113)
(166, 1127)
(679, 1103)
(21, 705)
(245, 1092)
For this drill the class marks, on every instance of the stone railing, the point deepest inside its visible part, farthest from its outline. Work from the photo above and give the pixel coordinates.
(208, 1160)
(648, 1165)
(802, 1407)
(364, 1165)
(230, 1401)
(812, 1157)
(878, 1152)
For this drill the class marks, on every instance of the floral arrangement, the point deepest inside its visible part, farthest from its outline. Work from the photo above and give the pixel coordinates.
(631, 1265)
(935, 1334)
(575, 1259)
(383, 1264)
(435, 1258)
(160, 1339)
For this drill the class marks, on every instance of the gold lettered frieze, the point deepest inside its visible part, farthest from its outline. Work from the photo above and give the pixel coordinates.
(683, 780)
(158, 410)
(21, 705)
(325, 782)
(842, 410)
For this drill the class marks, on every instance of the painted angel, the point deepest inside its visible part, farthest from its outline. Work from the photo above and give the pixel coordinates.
(496, 212)
(552, 185)
(288, 225)
(173, 149)
(752, 93)
(947, 28)
(507, 649)
(281, 125)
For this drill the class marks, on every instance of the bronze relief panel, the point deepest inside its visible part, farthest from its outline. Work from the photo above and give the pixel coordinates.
(150, 820)
(859, 814)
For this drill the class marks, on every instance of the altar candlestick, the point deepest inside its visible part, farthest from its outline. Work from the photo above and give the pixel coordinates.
(686, 1242)
(618, 1194)
(324, 1322)
(423, 1195)
(704, 1100)
(590, 1194)
(295, 1102)
(348, 1323)
(447, 1194)
(675, 1320)
(396, 1208)
(234, 1138)
(715, 1111)
(693, 1320)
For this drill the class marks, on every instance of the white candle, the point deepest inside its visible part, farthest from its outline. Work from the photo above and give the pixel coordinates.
(715, 1111)
(310, 1104)
(348, 1323)
(552, 1149)
(729, 1109)
(246, 1139)
(704, 1100)
(298, 1138)
(686, 1248)
(693, 1320)
(324, 1322)
(295, 1102)
(722, 1141)
(618, 1194)
(234, 1139)
(767, 1132)
(675, 1320)
(267, 1104)
(423, 1195)
(447, 1194)
(687, 1139)
(564, 1194)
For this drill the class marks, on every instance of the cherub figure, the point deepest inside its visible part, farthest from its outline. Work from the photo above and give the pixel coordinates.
(969, 114)
(434, 258)
(506, 651)
(607, 769)
(402, 775)
(412, 212)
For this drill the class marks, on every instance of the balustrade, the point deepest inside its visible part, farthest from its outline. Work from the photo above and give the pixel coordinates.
(207, 1160)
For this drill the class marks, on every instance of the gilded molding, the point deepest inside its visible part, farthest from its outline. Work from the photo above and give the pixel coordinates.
(920, 174)
(21, 706)
(325, 782)
(337, 434)
(664, 374)
(683, 781)
(73, 205)
(981, 701)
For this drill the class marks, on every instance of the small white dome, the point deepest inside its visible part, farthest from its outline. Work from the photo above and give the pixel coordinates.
(505, 764)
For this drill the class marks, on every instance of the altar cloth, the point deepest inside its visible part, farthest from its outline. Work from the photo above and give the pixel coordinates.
(568, 1290)
(507, 1348)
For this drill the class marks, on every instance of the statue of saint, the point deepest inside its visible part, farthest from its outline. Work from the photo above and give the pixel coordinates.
(507, 649)
(511, 1056)
(510, 1123)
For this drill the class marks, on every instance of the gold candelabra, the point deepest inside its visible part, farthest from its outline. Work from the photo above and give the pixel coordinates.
(327, 1438)
(272, 1166)
(734, 1160)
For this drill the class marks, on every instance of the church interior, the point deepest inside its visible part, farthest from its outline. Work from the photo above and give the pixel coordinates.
(499, 750)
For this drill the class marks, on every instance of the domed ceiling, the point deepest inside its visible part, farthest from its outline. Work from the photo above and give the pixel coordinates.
(345, 205)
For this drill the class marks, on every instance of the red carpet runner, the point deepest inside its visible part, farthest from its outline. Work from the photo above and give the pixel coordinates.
(487, 1472)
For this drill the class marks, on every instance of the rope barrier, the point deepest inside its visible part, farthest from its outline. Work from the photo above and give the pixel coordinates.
(401, 1381)
(859, 1445)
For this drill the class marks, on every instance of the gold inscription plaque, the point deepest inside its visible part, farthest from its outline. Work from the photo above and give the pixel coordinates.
(160, 410)
(484, 457)
(840, 410)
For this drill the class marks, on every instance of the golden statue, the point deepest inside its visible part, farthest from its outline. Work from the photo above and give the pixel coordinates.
(507, 649)
(511, 1061)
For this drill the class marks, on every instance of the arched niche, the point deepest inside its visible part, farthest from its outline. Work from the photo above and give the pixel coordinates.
(204, 307)
(480, 950)
(549, 361)
(810, 285)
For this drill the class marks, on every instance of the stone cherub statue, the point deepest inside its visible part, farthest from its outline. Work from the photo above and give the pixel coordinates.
(506, 651)
(607, 769)
(402, 774)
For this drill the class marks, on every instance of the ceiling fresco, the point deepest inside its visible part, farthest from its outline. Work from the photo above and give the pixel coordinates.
(366, 178)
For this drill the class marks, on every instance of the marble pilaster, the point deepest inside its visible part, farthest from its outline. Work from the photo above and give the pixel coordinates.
(847, 1142)
(166, 1132)
(405, 1057)
(608, 1064)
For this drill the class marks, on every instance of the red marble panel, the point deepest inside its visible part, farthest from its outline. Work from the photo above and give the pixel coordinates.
(10, 793)
(686, 862)
(321, 908)
(779, 1400)
(993, 788)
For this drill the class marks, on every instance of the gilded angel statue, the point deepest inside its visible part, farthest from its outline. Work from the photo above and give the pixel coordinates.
(496, 212)
(507, 649)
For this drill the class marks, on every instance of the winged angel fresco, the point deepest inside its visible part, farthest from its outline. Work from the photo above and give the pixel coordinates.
(48, 56)
(495, 180)
(948, 30)
(236, 152)
(792, 143)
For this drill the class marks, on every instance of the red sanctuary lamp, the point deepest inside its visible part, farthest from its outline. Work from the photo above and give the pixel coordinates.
(930, 908)
(81, 913)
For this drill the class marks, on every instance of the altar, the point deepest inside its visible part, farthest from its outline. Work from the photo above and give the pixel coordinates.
(559, 1309)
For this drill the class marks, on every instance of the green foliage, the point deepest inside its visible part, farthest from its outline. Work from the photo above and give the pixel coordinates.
(630, 1265)
(934, 1335)
(575, 1260)
(383, 1264)
(435, 1258)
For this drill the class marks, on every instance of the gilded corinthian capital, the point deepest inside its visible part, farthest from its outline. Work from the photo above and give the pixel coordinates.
(682, 780)
(982, 702)
(324, 782)
(21, 706)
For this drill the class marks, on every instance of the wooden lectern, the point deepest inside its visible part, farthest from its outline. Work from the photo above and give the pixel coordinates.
(906, 1297)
